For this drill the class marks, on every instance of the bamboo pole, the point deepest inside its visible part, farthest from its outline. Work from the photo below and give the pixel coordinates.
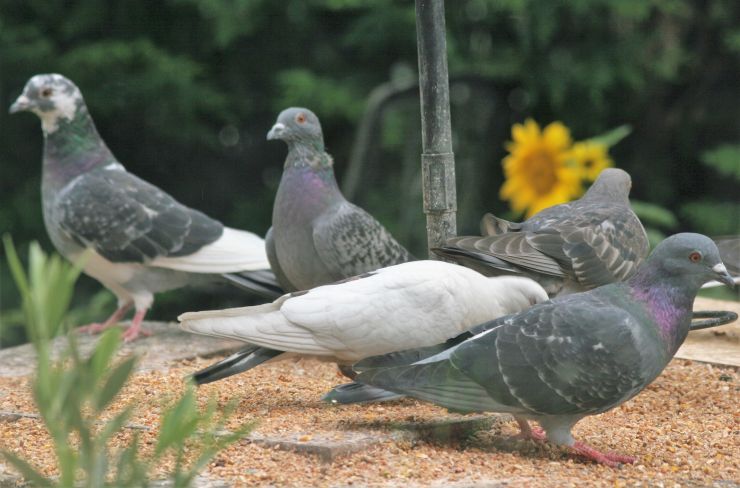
(437, 159)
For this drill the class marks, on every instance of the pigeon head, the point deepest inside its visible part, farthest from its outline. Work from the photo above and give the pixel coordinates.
(693, 259)
(52, 97)
(613, 183)
(298, 126)
(521, 293)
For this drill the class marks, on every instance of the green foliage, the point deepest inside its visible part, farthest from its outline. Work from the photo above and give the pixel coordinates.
(725, 159)
(73, 392)
(713, 217)
(612, 137)
(164, 79)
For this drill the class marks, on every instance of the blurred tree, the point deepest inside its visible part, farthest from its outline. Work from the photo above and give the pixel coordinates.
(184, 92)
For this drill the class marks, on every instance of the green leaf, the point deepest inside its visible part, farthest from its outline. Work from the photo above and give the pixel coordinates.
(114, 383)
(725, 159)
(16, 267)
(105, 351)
(613, 136)
(713, 218)
(130, 471)
(652, 214)
(113, 425)
(27, 471)
(178, 422)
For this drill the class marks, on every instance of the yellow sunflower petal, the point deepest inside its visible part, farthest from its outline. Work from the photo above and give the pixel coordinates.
(557, 136)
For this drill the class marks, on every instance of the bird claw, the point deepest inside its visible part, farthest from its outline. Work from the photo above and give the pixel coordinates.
(527, 433)
(611, 459)
(133, 333)
(92, 329)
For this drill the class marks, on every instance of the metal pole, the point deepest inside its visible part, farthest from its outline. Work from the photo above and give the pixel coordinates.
(437, 159)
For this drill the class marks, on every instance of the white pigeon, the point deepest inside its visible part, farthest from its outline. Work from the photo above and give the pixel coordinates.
(415, 304)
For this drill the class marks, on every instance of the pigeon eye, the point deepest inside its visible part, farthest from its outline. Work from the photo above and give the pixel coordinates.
(300, 118)
(46, 92)
(695, 257)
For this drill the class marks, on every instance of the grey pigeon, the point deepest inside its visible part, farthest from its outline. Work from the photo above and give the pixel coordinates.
(317, 236)
(570, 357)
(415, 304)
(140, 240)
(567, 248)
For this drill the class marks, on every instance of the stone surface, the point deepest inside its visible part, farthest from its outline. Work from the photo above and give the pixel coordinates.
(9, 479)
(330, 445)
(327, 446)
(719, 345)
(167, 343)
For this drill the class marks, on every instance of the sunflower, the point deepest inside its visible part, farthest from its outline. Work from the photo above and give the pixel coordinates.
(537, 170)
(591, 157)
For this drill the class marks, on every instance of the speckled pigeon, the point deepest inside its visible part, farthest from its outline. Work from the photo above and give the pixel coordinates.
(141, 240)
(415, 304)
(567, 248)
(317, 236)
(570, 357)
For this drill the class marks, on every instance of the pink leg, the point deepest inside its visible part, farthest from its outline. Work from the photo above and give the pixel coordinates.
(97, 328)
(608, 458)
(526, 432)
(134, 330)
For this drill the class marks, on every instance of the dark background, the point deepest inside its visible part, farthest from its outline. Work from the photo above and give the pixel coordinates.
(184, 92)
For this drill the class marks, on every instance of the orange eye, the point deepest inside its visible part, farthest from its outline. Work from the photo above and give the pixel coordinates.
(695, 257)
(300, 118)
(46, 92)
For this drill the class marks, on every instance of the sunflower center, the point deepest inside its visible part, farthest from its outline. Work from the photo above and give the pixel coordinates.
(541, 169)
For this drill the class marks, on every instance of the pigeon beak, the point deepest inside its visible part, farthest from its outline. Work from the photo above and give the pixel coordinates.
(722, 275)
(276, 132)
(21, 103)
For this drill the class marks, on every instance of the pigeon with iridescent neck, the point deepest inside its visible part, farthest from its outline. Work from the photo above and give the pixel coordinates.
(567, 248)
(570, 357)
(139, 240)
(317, 236)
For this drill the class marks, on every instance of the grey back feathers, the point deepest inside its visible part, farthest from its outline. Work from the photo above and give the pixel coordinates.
(570, 247)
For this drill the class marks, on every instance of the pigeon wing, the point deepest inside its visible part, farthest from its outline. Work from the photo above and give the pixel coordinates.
(349, 241)
(557, 359)
(504, 250)
(598, 245)
(126, 219)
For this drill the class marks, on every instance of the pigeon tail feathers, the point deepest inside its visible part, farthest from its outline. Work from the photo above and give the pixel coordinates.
(236, 250)
(240, 361)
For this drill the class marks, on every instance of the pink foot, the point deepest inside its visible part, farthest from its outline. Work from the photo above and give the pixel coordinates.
(610, 459)
(97, 328)
(528, 433)
(135, 330)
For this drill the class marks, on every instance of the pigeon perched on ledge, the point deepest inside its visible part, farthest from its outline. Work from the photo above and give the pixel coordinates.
(317, 236)
(567, 248)
(415, 304)
(570, 357)
(140, 240)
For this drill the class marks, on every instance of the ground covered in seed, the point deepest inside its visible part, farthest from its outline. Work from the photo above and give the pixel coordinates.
(684, 429)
